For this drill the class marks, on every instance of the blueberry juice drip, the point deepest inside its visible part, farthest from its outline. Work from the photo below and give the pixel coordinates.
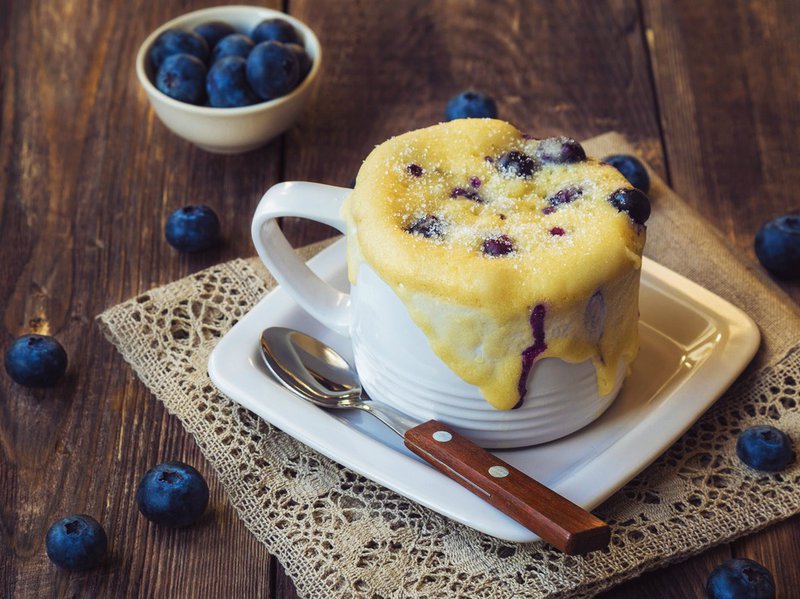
(530, 353)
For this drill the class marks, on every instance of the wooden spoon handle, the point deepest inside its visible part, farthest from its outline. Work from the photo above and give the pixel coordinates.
(556, 519)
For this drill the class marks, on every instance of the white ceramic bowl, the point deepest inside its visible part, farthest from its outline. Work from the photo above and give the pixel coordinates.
(229, 130)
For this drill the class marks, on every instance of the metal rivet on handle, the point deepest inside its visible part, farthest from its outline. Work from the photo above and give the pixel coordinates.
(498, 471)
(442, 436)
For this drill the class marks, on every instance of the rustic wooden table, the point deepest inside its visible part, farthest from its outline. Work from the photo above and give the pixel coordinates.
(706, 90)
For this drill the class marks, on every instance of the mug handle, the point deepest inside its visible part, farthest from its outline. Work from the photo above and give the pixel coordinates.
(317, 202)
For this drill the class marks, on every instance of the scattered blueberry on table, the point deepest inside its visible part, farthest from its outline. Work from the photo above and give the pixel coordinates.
(185, 63)
(192, 228)
(36, 360)
(76, 542)
(182, 77)
(631, 168)
(740, 579)
(765, 448)
(176, 41)
(777, 245)
(172, 494)
(470, 104)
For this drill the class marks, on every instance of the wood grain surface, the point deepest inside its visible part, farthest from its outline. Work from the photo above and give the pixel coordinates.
(707, 91)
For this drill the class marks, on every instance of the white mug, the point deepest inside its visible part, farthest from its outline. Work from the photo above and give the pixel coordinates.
(392, 355)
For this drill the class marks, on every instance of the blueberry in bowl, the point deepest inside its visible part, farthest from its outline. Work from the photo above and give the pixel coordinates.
(272, 69)
(214, 31)
(231, 124)
(177, 41)
(275, 30)
(227, 84)
(182, 77)
(235, 44)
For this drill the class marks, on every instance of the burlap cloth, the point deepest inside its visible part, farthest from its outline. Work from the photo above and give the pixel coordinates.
(340, 535)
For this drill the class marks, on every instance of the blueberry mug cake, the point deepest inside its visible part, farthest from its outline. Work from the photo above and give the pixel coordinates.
(504, 249)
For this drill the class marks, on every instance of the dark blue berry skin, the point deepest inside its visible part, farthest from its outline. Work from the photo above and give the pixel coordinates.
(303, 59)
(427, 226)
(182, 77)
(272, 70)
(498, 246)
(765, 448)
(76, 542)
(236, 44)
(192, 228)
(470, 104)
(559, 150)
(632, 201)
(631, 169)
(172, 494)
(777, 245)
(36, 361)
(213, 31)
(227, 85)
(275, 30)
(740, 579)
(516, 164)
(175, 41)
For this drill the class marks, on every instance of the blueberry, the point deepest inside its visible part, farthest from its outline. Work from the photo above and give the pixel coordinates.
(272, 70)
(778, 245)
(213, 31)
(76, 542)
(427, 226)
(36, 361)
(632, 201)
(470, 194)
(414, 170)
(563, 196)
(182, 77)
(765, 448)
(236, 44)
(172, 494)
(516, 164)
(227, 84)
(175, 41)
(559, 150)
(470, 104)
(498, 246)
(303, 59)
(631, 169)
(740, 579)
(275, 30)
(192, 228)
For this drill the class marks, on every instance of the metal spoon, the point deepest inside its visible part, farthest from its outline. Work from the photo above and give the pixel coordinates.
(315, 372)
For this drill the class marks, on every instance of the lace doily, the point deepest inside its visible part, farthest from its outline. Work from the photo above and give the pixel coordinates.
(340, 535)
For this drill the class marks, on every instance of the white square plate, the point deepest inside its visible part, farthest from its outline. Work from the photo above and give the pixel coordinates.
(693, 345)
